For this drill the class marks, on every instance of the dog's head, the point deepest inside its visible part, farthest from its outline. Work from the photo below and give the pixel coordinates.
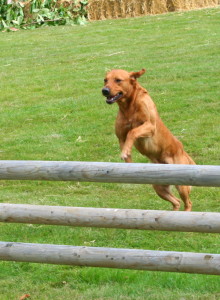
(119, 84)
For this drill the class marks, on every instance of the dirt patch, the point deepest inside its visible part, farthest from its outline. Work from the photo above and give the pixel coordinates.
(113, 9)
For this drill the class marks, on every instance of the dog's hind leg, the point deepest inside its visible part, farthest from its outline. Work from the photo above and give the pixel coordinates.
(164, 192)
(184, 192)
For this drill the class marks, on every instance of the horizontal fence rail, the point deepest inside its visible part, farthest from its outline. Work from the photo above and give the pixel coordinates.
(111, 218)
(186, 262)
(165, 174)
(194, 175)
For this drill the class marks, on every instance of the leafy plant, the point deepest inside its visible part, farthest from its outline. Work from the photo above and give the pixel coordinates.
(11, 14)
(35, 13)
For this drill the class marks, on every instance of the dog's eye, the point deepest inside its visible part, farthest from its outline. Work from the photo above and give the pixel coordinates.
(105, 80)
(118, 80)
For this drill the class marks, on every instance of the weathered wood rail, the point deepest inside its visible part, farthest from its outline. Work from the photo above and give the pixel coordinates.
(202, 263)
(194, 175)
(111, 218)
(186, 262)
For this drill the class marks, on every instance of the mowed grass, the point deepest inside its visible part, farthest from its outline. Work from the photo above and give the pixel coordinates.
(52, 109)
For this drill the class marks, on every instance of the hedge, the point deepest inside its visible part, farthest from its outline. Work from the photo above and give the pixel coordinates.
(35, 13)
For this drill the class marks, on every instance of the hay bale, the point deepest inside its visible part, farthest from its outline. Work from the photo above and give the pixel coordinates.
(112, 9)
(193, 4)
(158, 6)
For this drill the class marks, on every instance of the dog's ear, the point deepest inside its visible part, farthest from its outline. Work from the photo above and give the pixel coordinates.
(137, 74)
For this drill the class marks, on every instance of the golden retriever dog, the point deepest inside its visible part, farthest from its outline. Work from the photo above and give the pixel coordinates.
(138, 123)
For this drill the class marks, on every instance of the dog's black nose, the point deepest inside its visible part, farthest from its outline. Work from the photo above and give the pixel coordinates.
(106, 91)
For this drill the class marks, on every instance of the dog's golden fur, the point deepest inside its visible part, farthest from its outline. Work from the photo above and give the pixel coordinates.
(138, 123)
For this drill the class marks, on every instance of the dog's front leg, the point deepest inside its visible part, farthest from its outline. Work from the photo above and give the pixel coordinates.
(144, 131)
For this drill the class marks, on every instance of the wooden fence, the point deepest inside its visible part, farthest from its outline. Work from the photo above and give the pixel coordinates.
(203, 263)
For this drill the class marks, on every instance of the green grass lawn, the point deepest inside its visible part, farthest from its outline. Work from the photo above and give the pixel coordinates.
(52, 109)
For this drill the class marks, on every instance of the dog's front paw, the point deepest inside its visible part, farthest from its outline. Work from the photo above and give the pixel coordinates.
(126, 155)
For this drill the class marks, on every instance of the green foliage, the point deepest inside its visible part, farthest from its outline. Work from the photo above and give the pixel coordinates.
(35, 13)
(11, 14)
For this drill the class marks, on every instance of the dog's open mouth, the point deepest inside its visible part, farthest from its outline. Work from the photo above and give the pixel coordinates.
(111, 100)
